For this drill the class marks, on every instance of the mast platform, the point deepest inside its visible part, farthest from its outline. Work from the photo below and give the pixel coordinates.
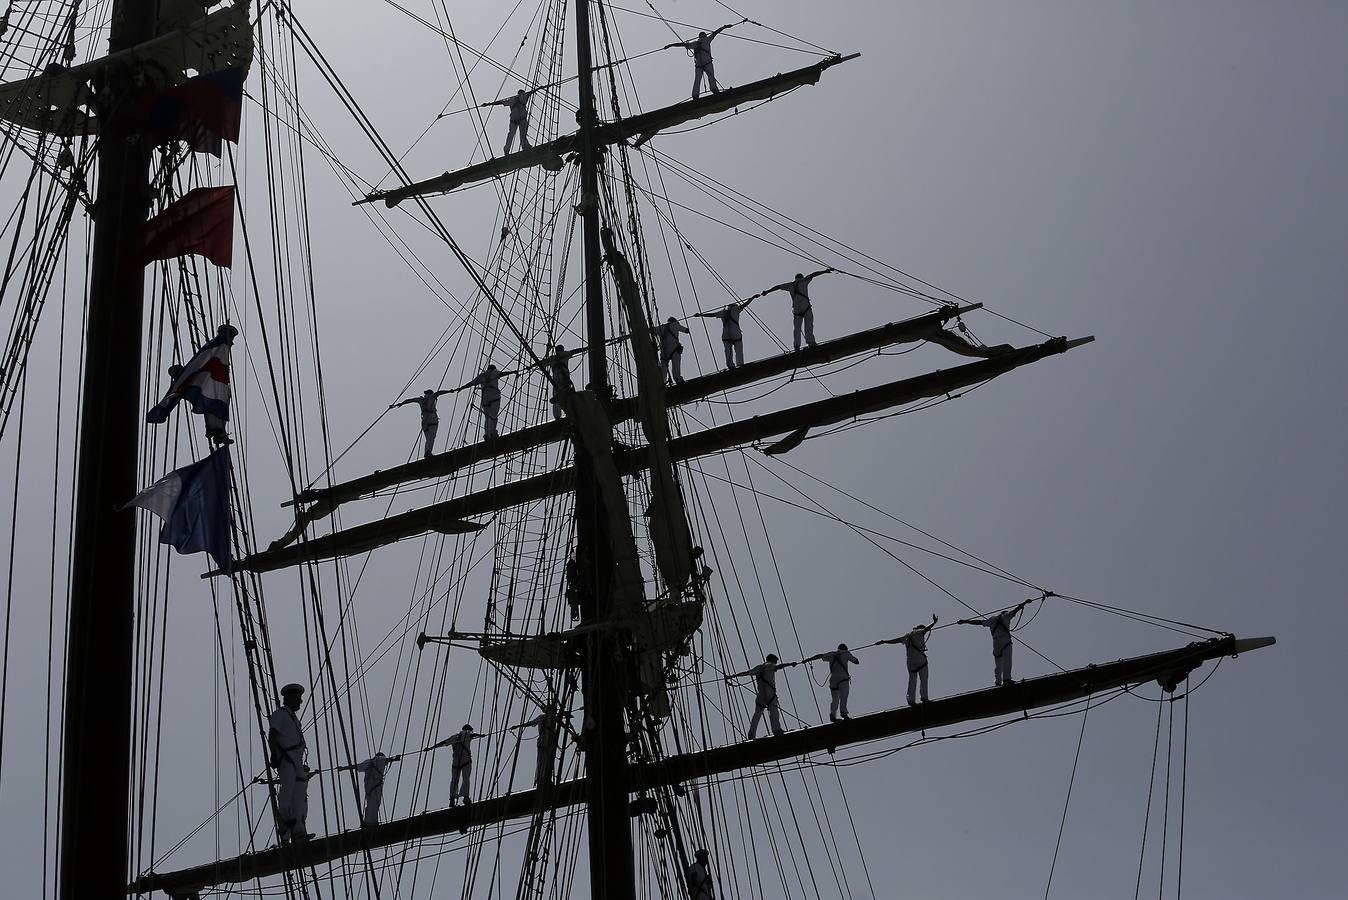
(1168, 667)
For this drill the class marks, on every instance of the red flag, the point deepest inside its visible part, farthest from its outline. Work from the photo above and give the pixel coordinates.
(201, 221)
(204, 111)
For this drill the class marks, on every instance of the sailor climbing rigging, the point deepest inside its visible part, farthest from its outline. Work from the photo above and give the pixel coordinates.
(430, 419)
(802, 311)
(1000, 625)
(839, 679)
(700, 48)
(765, 694)
(519, 118)
(916, 642)
(461, 764)
(286, 749)
(732, 338)
(671, 348)
(373, 769)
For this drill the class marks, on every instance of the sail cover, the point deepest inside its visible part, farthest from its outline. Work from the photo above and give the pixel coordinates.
(666, 516)
(642, 127)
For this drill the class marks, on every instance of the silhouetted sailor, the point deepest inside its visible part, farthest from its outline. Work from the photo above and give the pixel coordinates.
(559, 377)
(671, 348)
(802, 310)
(732, 338)
(1000, 625)
(430, 419)
(700, 48)
(916, 642)
(839, 679)
(374, 769)
(549, 724)
(490, 384)
(699, 878)
(461, 765)
(286, 748)
(519, 118)
(765, 694)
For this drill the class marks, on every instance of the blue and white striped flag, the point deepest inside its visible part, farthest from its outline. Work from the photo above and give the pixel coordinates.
(194, 503)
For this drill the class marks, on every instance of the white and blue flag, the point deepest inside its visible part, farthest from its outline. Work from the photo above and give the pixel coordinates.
(194, 503)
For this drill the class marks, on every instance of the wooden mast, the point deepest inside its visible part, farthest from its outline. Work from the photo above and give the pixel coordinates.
(96, 772)
(612, 871)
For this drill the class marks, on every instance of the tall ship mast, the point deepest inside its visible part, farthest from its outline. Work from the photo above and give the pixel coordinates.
(588, 516)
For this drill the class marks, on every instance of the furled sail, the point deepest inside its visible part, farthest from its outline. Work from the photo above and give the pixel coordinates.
(595, 433)
(666, 516)
(642, 127)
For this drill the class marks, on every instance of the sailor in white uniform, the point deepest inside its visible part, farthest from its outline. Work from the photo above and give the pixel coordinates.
(918, 670)
(765, 694)
(732, 337)
(1000, 625)
(430, 419)
(802, 310)
(559, 370)
(286, 748)
(490, 384)
(700, 47)
(549, 723)
(519, 118)
(461, 765)
(671, 348)
(839, 679)
(699, 878)
(373, 769)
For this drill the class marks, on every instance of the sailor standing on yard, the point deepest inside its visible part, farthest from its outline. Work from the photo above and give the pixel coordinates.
(699, 877)
(671, 348)
(839, 679)
(802, 310)
(490, 383)
(765, 697)
(700, 47)
(430, 419)
(549, 723)
(732, 338)
(519, 118)
(374, 769)
(916, 642)
(1000, 625)
(461, 765)
(286, 747)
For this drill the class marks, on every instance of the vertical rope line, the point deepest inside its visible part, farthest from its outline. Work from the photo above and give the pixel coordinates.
(1071, 781)
(1184, 790)
(1146, 820)
(1165, 814)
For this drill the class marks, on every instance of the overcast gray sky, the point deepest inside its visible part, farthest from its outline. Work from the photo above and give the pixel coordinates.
(1166, 176)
